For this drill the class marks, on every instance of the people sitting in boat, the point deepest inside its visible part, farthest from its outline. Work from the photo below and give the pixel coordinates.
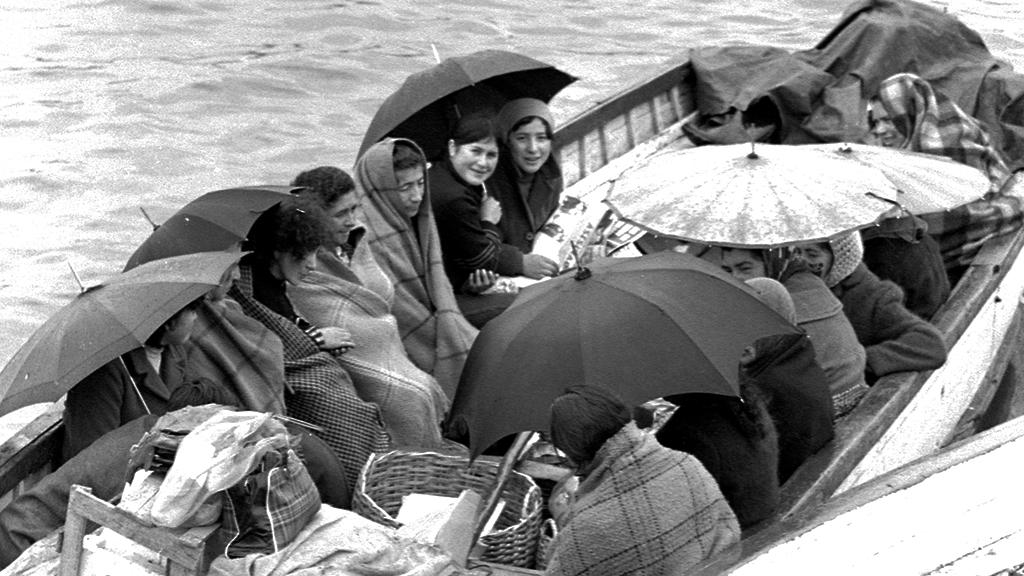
(38, 511)
(895, 339)
(134, 384)
(467, 220)
(403, 238)
(736, 441)
(349, 289)
(675, 513)
(283, 243)
(527, 182)
(785, 369)
(907, 113)
(837, 350)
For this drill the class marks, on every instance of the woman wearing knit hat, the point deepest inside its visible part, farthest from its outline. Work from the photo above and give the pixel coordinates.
(894, 338)
(528, 180)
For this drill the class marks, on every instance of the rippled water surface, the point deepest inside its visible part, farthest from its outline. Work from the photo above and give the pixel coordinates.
(107, 106)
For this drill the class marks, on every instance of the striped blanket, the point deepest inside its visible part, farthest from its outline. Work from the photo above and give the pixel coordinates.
(320, 391)
(435, 334)
(410, 400)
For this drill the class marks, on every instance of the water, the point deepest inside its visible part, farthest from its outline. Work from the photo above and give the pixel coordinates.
(107, 106)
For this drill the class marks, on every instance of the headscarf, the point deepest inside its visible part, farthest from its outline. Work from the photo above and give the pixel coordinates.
(515, 110)
(934, 124)
(435, 334)
(775, 296)
(847, 253)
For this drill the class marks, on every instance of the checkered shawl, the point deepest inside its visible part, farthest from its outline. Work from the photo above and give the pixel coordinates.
(410, 399)
(934, 124)
(321, 392)
(644, 509)
(230, 348)
(436, 335)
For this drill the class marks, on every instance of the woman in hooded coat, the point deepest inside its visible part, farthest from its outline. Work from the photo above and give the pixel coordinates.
(402, 235)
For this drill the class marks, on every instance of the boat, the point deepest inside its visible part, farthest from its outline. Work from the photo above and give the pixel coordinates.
(902, 424)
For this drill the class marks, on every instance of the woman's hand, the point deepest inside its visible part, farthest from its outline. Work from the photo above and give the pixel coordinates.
(490, 210)
(536, 266)
(479, 281)
(334, 339)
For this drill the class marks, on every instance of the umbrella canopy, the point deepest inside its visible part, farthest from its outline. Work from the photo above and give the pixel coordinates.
(727, 195)
(926, 182)
(214, 221)
(423, 108)
(665, 323)
(104, 322)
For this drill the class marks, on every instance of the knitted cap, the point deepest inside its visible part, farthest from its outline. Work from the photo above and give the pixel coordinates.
(775, 296)
(847, 253)
(516, 110)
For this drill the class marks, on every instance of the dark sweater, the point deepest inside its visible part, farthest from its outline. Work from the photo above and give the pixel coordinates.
(900, 250)
(524, 213)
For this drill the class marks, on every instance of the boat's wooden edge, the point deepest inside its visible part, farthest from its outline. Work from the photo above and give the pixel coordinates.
(31, 449)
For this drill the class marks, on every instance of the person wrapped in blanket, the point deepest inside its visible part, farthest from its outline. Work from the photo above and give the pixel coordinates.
(284, 241)
(640, 507)
(402, 235)
(468, 219)
(907, 113)
(350, 290)
(38, 511)
(894, 338)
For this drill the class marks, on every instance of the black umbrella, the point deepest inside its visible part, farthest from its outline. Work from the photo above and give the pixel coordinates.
(426, 104)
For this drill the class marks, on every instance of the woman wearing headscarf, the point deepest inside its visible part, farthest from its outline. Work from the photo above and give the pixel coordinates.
(640, 508)
(350, 290)
(403, 238)
(894, 338)
(908, 113)
(527, 182)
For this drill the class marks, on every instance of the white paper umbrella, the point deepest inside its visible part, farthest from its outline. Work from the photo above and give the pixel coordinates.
(776, 195)
(926, 182)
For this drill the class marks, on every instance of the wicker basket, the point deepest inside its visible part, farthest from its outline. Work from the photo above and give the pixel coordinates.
(389, 476)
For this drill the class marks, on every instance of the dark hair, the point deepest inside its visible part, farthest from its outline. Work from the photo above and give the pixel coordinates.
(474, 128)
(526, 120)
(155, 338)
(324, 184)
(405, 156)
(199, 391)
(583, 418)
(297, 225)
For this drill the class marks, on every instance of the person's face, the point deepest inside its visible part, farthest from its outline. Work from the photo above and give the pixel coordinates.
(818, 257)
(344, 216)
(742, 264)
(474, 162)
(883, 131)
(179, 328)
(291, 269)
(408, 194)
(530, 146)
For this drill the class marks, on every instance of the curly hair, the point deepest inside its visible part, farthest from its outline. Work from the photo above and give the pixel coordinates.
(583, 418)
(297, 225)
(324, 184)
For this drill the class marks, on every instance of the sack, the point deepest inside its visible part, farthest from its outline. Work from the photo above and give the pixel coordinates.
(266, 510)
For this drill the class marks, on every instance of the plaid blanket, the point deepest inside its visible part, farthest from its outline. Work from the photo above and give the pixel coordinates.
(934, 124)
(410, 400)
(229, 347)
(435, 334)
(644, 509)
(321, 392)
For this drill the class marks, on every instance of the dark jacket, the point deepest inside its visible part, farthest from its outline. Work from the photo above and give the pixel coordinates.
(798, 397)
(106, 399)
(736, 442)
(900, 250)
(523, 215)
(894, 338)
(467, 243)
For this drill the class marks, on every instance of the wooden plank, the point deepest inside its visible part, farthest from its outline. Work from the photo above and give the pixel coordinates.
(32, 448)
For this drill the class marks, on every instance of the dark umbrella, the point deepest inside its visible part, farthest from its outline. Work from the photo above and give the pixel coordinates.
(423, 108)
(103, 322)
(665, 323)
(214, 221)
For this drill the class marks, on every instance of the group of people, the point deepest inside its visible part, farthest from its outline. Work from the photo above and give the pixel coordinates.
(359, 297)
